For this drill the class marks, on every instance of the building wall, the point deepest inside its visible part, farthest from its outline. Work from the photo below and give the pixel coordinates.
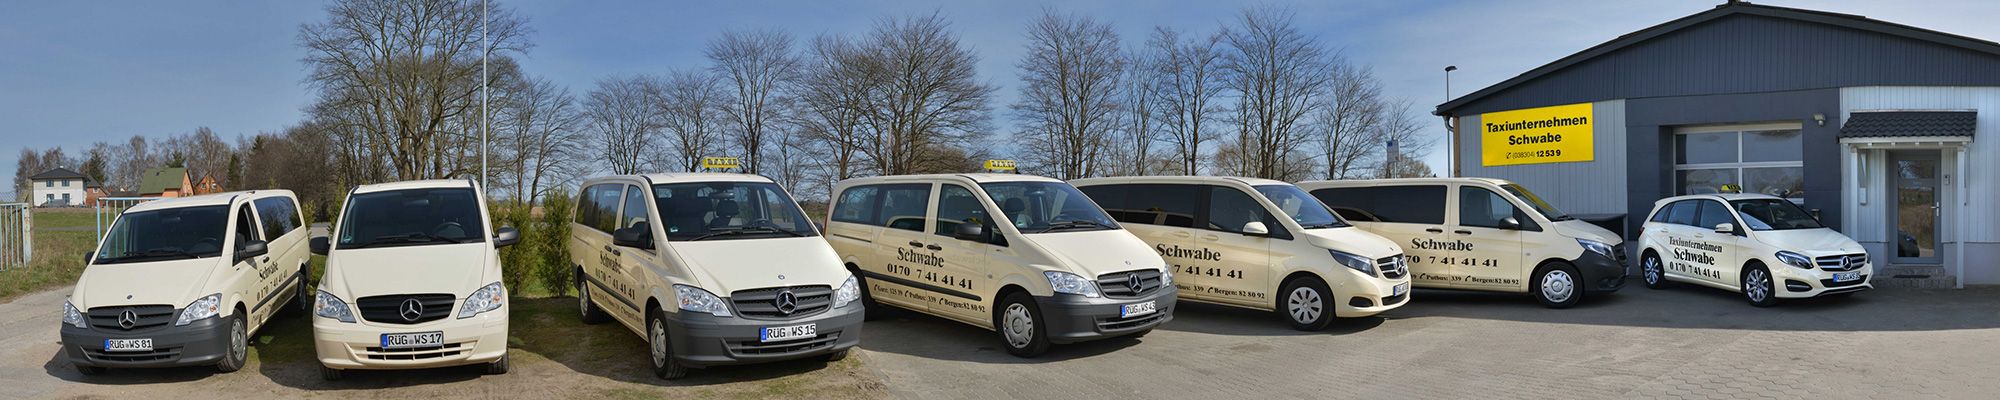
(1974, 218)
(1650, 127)
(40, 192)
(1594, 187)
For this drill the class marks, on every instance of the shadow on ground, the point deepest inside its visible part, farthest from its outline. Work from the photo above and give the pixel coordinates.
(916, 334)
(1689, 306)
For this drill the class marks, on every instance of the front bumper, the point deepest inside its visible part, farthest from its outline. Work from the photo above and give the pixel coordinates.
(1794, 283)
(701, 340)
(198, 343)
(1071, 318)
(1367, 295)
(478, 340)
(1601, 273)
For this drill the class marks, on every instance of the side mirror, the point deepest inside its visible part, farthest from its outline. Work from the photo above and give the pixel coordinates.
(252, 249)
(969, 231)
(1815, 214)
(320, 245)
(506, 236)
(1510, 223)
(88, 256)
(820, 225)
(1256, 228)
(1728, 228)
(638, 237)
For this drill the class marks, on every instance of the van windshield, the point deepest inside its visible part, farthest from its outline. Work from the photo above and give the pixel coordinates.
(729, 210)
(1301, 207)
(1548, 211)
(412, 217)
(166, 234)
(1774, 214)
(1038, 207)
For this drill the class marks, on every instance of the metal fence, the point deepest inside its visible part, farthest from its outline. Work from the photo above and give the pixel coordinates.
(108, 209)
(17, 239)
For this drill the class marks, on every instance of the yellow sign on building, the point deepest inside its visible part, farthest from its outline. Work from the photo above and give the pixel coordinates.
(1537, 136)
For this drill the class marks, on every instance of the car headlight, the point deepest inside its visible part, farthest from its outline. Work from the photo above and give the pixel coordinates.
(485, 299)
(1596, 247)
(1065, 282)
(697, 300)
(330, 306)
(1166, 276)
(849, 291)
(205, 307)
(1357, 263)
(1795, 259)
(71, 316)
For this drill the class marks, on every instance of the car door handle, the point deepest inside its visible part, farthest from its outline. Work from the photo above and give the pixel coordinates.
(1434, 230)
(1462, 232)
(613, 250)
(916, 244)
(1211, 238)
(1182, 234)
(264, 260)
(933, 247)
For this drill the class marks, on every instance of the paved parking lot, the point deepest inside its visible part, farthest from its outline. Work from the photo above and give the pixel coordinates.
(1680, 343)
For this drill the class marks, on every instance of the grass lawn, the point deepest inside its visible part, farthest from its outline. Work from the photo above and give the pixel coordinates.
(61, 237)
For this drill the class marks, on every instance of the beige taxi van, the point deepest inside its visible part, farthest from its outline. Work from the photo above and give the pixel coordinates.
(1259, 244)
(1484, 235)
(186, 281)
(412, 281)
(1026, 256)
(711, 269)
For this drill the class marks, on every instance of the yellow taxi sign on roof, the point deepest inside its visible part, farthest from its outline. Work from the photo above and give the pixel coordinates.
(720, 163)
(999, 165)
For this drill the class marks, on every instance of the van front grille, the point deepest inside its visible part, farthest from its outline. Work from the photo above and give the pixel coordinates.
(391, 309)
(1392, 267)
(112, 318)
(1129, 284)
(766, 303)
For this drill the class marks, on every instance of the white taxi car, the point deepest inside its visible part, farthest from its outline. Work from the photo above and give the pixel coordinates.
(1762, 246)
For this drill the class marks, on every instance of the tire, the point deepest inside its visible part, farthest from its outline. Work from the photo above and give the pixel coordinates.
(1652, 271)
(238, 348)
(1758, 287)
(328, 374)
(1555, 285)
(89, 371)
(1306, 303)
(661, 347)
(1018, 323)
(304, 298)
(836, 356)
(870, 310)
(498, 367)
(588, 306)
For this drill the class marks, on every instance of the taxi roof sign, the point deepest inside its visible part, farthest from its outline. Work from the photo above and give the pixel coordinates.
(720, 163)
(999, 165)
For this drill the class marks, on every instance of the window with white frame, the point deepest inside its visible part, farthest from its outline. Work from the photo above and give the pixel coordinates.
(1767, 159)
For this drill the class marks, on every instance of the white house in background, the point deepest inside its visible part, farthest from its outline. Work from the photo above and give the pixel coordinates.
(59, 187)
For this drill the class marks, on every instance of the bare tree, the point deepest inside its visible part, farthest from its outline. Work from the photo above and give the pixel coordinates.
(833, 101)
(1400, 126)
(757, 64)
(402, 76)
(1188, 80)
(927, 98)
(1069, 93)
(620, 113)
(539, 126)
(1279, 74)
(1350, 125)
(690, 105)
(1133, 152)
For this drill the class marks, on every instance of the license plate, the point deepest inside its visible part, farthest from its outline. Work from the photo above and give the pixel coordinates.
(783, 333)
(1847, 276)
(1400, 289)
(1137, 309)
(408, 340)
(128, 344)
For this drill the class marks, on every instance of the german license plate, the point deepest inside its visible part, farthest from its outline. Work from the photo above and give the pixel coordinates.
(1400, 289)
(408, 340)
(128, 344)
(1846, 276)
(1135, 309)
(783, 333)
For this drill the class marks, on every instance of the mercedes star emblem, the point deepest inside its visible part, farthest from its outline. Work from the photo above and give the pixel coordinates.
(1132, 281)
(128, 319)
(412, 309)
(786, 302)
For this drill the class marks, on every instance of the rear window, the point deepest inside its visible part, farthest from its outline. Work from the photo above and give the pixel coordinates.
(1682, 212)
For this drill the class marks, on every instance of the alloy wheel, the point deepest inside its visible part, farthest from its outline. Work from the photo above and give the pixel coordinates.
(1755, 284)
(1653, 273)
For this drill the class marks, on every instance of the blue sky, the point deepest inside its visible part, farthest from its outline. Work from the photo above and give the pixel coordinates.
(72, 73)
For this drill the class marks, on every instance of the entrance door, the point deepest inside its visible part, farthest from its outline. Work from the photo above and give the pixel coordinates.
(1915, 205)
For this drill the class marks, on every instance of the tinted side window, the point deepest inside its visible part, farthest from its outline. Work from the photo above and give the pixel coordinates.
(1483, 208)
(246, 227)
(1712, 214)
(958, 205)
(601, 209)
(279, 216)
(1661, 214)
(903, 206)
(634, 211)
(1168, 205)
(1351, 203)
(1421, 204)
(1115, 202)
(857, 205)
(1682, 212)
(1229, 209)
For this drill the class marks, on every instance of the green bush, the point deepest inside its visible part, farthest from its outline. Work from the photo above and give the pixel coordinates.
(517, 262)
(552, 238)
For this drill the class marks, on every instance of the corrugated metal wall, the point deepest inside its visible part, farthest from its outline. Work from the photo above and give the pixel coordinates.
(1595, 187)
(1984, 152)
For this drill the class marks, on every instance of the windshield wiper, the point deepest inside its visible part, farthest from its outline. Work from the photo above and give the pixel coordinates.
(163, 252)
(407, 238)
(1325, 225)
(747, 230)
(1073, 225)
(1561, 218)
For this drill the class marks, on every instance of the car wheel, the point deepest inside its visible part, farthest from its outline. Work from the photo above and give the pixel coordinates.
(586, 305)
(1307, 303)
(664, 364)
(1758, 287)
(329, 374)
(870, 310)
(1020, 325)
(304, 297)
(836, 356)
(1654, 273)
(498, 367)
(88, 370)
(1555, 285)
(239, 346)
